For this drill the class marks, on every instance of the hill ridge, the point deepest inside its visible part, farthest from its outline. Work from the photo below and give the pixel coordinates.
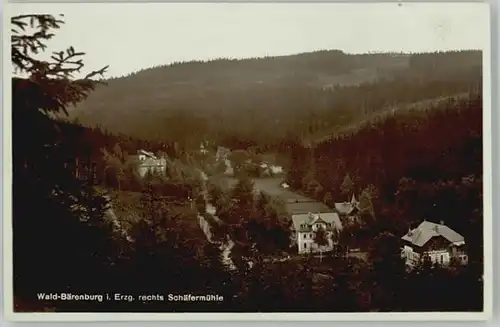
(273, 97)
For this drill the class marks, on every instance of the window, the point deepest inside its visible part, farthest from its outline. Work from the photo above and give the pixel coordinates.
(305, 235)
(305, 245)
(442, 258)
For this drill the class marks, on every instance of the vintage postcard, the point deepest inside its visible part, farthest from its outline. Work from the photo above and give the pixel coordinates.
(247, 161)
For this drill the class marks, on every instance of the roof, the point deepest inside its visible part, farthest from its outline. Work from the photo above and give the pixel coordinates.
(147, 153)
(297, 208)
(344, 208)
(427, 230)
(311, 218)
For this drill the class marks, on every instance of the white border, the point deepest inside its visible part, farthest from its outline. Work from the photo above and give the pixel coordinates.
(369, 316)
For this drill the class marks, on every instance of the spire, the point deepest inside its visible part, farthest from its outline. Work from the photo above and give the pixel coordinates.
(353, 200)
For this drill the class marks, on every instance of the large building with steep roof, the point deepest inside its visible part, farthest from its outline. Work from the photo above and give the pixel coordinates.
(438, 242)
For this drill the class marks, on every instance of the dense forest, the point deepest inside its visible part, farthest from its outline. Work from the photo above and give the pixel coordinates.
(408, 157)
(275, 97)
(425, 164)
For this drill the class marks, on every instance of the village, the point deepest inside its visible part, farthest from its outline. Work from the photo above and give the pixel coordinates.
(429, 240)
(315, 227)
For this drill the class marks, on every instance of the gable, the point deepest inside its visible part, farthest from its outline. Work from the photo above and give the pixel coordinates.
(344, 208)
(298, 221)
(437, 242)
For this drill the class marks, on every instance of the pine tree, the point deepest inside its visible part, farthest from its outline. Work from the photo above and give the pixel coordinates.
(347, 186)
(366, 199)
(58, 220)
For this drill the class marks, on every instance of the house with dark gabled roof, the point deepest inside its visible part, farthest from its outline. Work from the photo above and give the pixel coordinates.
(438, 242)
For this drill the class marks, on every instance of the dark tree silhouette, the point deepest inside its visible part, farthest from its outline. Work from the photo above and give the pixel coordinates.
(58, 220)
(321, 239)
(388, 270)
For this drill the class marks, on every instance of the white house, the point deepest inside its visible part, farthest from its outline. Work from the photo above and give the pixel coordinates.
(270, 169)
(306, 225)
(436, 241)
(147, 161)
(275, 170)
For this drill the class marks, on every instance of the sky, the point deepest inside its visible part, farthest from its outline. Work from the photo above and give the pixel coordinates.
(131, 36)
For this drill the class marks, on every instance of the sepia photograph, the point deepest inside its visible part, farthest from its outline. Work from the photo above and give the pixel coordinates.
(239, 158)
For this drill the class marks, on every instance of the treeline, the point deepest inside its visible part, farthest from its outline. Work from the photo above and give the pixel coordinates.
(189, 101)
(93, 139)
(322, 61)
(325, 61)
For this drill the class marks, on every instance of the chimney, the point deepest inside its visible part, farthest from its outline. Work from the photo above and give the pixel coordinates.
(441, 222)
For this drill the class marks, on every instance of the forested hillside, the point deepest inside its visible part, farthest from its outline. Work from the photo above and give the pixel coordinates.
(408, 167)
(275, 97)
